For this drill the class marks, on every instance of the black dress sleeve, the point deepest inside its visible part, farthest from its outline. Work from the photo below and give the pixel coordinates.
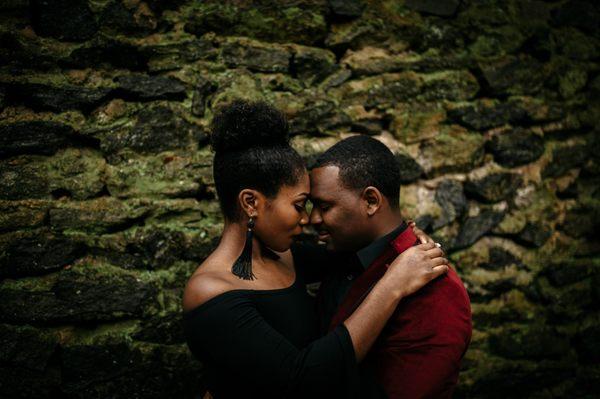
(229, 332)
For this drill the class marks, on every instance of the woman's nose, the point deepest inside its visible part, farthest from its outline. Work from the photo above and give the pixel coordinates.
(304, 219)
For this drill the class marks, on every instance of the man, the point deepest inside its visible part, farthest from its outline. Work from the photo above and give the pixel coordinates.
(355, 194)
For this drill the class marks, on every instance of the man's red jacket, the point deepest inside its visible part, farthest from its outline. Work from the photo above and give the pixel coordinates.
(419, 351)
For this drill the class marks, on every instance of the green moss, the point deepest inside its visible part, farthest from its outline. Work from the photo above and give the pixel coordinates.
(104, 334)
(534, 204)
(497, 42)
(472, 256)
(33, 284)
(417, 122)
(281, 24)
(571, 82)
(237, 85)
(576, 45)
(453, 149)
(513, 306)
(570, 301)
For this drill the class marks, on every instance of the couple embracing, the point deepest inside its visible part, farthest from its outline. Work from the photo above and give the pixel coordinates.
(391, 318)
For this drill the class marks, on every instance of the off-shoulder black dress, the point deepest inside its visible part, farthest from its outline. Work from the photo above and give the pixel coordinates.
(263, 344)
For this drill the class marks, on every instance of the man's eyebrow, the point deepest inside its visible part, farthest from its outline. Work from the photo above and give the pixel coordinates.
(317, 200)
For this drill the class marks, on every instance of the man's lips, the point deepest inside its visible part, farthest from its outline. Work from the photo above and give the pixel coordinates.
(323, 235)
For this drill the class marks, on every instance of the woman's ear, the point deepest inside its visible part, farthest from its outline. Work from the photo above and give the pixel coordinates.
(250, 201)
(373, 199)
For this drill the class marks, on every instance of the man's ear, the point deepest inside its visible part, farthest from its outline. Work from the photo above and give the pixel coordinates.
(373, 199)
(250, 201)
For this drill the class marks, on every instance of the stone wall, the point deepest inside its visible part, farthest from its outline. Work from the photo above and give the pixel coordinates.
(107, 203)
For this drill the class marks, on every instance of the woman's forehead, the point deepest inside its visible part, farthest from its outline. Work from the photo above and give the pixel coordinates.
(300, 190)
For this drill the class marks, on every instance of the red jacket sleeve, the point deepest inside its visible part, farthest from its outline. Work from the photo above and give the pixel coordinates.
(418, 354)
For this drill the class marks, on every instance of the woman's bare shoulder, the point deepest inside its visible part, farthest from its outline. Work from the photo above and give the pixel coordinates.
(206, 283)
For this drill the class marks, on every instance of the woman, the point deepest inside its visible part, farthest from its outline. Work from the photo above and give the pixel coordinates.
(247, 315)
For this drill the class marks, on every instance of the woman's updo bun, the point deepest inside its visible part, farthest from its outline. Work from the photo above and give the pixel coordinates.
(251, 144)
(243, 124)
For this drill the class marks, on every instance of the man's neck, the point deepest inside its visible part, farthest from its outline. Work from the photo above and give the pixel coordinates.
(386, 224)
(386, 232)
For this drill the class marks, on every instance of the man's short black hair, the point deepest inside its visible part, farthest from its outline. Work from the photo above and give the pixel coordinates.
(363, 162)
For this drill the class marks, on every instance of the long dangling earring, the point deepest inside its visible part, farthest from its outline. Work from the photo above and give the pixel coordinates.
(243, 265)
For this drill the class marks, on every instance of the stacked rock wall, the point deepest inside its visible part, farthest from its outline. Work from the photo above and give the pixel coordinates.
(107, 203)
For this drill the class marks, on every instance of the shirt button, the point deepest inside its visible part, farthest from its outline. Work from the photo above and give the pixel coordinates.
(350, 277)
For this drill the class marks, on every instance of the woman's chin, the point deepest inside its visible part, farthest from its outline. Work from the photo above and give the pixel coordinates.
(280, 247)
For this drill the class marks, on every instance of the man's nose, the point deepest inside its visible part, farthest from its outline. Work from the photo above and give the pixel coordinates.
(315, 216)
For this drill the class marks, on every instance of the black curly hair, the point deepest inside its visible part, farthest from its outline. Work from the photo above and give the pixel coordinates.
(251, 144)
(363, 162)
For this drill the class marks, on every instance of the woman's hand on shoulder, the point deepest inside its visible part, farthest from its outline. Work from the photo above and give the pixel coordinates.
(415, 267)
(202, 287)
(424, 238)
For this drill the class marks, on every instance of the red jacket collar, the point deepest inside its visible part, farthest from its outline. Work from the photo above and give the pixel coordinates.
(365, 282)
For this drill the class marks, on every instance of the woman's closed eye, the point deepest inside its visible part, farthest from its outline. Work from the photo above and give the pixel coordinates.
(300, 207)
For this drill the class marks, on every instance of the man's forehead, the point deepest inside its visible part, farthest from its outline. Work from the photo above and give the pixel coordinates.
(324, 177)
(325, 184)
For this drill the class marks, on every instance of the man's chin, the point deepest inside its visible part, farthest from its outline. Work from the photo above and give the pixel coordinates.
(329, 245)
(326, 241)
(334, 246)
(329, 242)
